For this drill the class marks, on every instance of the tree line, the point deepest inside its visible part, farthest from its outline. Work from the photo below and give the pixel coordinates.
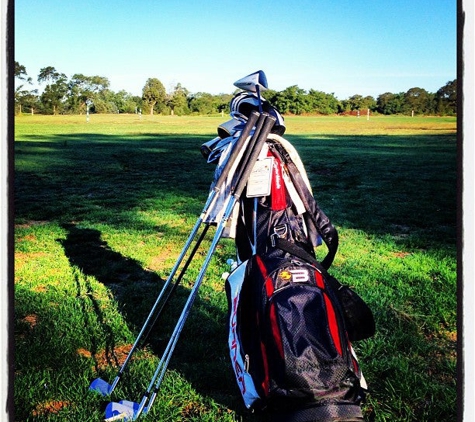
(82, 94)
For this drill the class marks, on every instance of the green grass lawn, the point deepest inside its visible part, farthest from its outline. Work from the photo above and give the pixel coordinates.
(102, 210)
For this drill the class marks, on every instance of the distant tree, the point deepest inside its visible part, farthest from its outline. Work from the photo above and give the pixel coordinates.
(419, 101)
(203, 103)
(79, 93)
(23, 97)
(321, 102)
(125, 102)
(358, 102)
(177, 100)
(138, 101)
(270, 95)
(369, 103)
(292, 100)
(28, 100)
(446, 98)
(101, 92)
(20, 72)
(154, 94)
(389, 103)
(56, 89)
(223, 101)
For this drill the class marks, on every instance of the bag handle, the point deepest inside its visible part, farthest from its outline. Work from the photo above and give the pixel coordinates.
(320, 222)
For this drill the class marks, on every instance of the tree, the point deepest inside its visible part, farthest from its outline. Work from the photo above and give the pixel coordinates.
(83, 89)
(23, 97)
(358, 102)
(20, 72)
(389, 103)
(419, 101)
(126, 102)
(27, 99)
(446, 98)
(154, 94)
(292, 100)
(177, 100)
(55, 92)
(204, 103)
(320, 102)
(223, 101)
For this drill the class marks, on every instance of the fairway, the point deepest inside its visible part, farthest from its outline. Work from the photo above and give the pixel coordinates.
(103, 208)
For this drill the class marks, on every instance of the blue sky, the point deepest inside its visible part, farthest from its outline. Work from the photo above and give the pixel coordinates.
(364, 47)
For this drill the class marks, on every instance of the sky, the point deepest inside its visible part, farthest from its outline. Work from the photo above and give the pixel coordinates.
(344, 47)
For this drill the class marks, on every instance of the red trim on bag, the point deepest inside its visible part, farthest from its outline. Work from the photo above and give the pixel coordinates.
(278, 192)
(272, 311)
(320, 282)
(331, 316)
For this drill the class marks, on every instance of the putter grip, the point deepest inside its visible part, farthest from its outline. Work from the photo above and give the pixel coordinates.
(254, 154)
(251, 122)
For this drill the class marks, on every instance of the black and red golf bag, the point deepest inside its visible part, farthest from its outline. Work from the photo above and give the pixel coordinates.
(290, 322)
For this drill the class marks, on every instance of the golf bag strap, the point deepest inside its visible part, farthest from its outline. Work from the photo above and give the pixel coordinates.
(317, 221)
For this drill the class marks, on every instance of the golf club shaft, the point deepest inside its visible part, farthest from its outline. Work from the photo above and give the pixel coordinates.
(153, 315)
(251, 122)
(165, 359)
(251, 157)
(177, 281)
(248, 151)
(247, 163)
(157, 302)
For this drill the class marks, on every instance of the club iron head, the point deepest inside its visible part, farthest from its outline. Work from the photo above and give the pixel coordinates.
(125, 410)
(253, 82)
(100, 386)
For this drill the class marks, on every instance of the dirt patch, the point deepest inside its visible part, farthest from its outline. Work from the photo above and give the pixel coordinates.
(31, 223)
(117, 355)
(50, 407)
(401, 254)
(193, 410)
(84, 353)
(31, 320)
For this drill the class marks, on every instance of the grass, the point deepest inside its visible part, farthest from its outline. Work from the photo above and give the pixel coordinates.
(102, 210)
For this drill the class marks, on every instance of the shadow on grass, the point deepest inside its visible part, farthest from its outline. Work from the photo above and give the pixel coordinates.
(202, 362)
(86, 250)
(380, 184)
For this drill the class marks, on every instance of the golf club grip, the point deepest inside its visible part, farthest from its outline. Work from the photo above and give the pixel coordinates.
(244, 160)
(251, 122)
(254, 154)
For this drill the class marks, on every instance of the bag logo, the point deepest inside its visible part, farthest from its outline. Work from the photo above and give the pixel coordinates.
(285, 275)
(299, 275)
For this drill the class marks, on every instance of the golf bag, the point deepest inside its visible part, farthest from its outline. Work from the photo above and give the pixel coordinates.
(290, 321)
